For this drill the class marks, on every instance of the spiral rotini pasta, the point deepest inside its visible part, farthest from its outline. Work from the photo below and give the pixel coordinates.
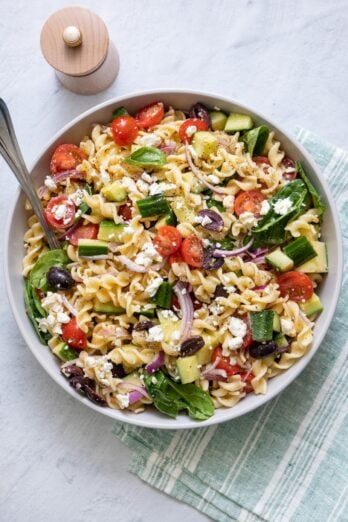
(184, 262)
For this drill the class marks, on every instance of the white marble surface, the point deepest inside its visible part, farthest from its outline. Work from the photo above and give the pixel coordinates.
(58, 460)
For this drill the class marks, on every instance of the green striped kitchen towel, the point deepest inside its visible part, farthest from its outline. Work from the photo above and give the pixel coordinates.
(278, 463)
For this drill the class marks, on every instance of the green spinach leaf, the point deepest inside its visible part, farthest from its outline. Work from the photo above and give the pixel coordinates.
(270, 230)
(215, 203)
(256, 139)
(316, 198)
(170, 397)
(33, 311)
(37, 276)
(147, 157)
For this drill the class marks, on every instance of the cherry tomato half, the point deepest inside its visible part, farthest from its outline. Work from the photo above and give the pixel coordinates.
(73, 335)
(224, 362)
(192, 122)
(89, 231)
(175, 258)
(248, 338)
(249, 201)
(125, 211)
(296, 285)
(261, 160)
(66, 157)
(192, 251)
(57, 205)
(124, 130)
(150, 115)
(247, 378)
(167, 241)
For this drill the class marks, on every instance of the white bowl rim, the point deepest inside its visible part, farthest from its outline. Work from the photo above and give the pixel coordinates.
(183, 422)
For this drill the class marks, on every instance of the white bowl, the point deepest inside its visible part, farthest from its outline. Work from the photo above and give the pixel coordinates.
(73, 132)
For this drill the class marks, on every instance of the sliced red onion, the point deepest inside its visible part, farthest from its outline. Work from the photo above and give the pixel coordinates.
(42, 191)
(199, 174)
(230, 253)
(259, 288)
(215, 375)
(215, 224)
(136, 396)
(69, 306)
(130, 387)
(260, 260)
(68, 233)
(186, 307)
(158, 266)
(258, 252)
(156, 363)
(168, 148)
(134, 267)
(61, 176)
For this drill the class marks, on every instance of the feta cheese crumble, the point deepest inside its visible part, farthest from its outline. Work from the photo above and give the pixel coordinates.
(265, 207)
(228, 202)
(191, 129)
(154, 286)
(77, 197)
(155, 334)
(147, 178)
(283, 206)
(287, 326)
(213, 179)
(149, 140)
(203, 220)
(123, 400)
(147, 255)
(237, 327)
(50, 183)
(248, 220)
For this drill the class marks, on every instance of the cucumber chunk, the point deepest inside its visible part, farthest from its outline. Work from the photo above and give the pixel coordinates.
(204, 355)
(168, 219)
(183, 212)
(218, 120)
(300, 250)
(64, 352)
(319, 264)
(279, 260)
(276, 323)
(148, 312)
(281, 341)
(312, 306)
(110, 231)
(107, 308)
(91, 247)
(204, 143)
(262, 325)
(188, 369)
(153, 206)
(238, 122)
(114, 192)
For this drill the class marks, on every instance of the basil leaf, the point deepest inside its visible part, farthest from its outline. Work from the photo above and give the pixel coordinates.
(33, 311)
(316, 198)
(37, 276)
(255, 140)
(170, 397)
(215, 203)
(270, 230)
(120, 111)
(147, 157)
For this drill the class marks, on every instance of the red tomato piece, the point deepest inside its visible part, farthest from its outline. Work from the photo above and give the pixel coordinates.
(89, 231)
(39, 293)
(247, 378)
(73, 335)
(167, 241)
(191, 122)
(260, 160)
(192, 251)
(124, 130)
(248, 338)
(224, 363)
(57, 206)
(249, 201)
(296, 285)
(66, 157)
(175, 258)
(125, 211)
(150, 115)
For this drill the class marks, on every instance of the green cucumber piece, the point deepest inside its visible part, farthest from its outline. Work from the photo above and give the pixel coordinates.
(300, 250)
(163, 296)
(279, 260)
(107, 308)
(64, 352)
(319, 264)
(276, 323)
(168, 219)
(110, 231)
(218, 120)
(188, 369)
(281, 341)
(150, 313)
(183, 212)
(256, 139)
(120, 111)
(262, 325)
(92, 247)
(153, 206)
(114, 192)
(312, 306)
(204, 143)
(238, 122)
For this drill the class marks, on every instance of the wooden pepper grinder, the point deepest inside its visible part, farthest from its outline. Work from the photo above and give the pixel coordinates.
(75, 42)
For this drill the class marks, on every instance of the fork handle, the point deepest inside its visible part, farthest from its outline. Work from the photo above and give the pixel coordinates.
(10, 151)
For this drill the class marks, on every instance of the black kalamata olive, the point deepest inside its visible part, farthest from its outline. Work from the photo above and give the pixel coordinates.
(191, 346)
(85, 386)
(59, 279)
(93, 395)
(261, 350)
(143, 326)
(216, 223)
(77, 383)
(200, 111)
(220, 291)
(209, 261)
(72, 371)
(118, 371)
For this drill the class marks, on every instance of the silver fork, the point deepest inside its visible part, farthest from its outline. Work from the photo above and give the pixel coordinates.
(10, 151)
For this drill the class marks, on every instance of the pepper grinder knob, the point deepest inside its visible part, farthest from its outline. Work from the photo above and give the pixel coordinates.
(72, 36)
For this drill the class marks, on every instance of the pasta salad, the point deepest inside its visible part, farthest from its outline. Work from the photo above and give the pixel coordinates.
(190, 257)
